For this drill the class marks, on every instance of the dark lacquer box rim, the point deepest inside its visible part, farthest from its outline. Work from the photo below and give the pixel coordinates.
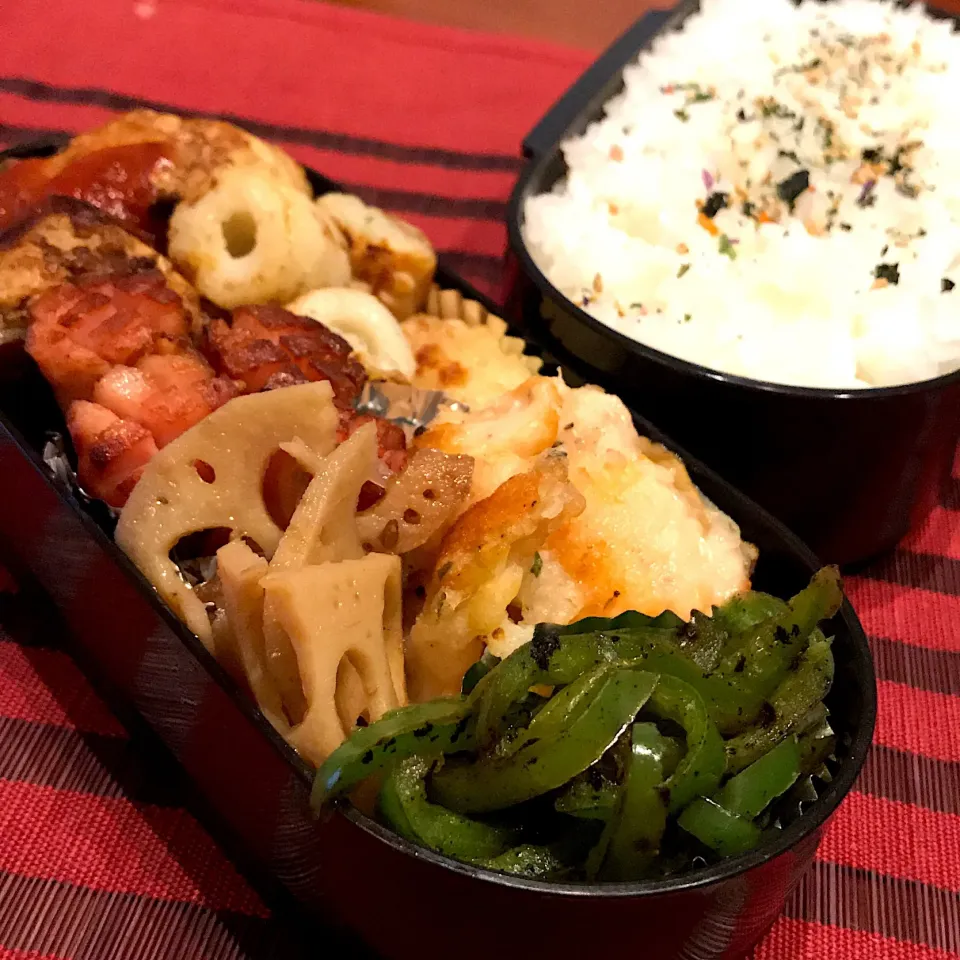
(830, 797)
(569, 116)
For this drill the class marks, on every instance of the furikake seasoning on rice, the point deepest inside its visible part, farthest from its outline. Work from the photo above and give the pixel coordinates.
(775, 194)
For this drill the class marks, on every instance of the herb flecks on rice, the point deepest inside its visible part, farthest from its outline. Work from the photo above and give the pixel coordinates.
(811, 139)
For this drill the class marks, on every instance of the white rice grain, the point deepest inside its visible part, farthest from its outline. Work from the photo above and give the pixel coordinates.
(825, 131)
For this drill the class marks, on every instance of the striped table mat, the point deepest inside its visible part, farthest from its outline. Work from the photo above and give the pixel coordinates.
(98, 857)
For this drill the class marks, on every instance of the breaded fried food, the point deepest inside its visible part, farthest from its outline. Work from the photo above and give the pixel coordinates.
(199, 149)
(391, 257)
(65, 240)
(478, 572)
(475, 363)
(646, 539)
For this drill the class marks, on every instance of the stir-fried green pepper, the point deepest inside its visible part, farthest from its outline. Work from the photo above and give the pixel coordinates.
(649, 728)
(557, 657)
(478, 671)
(405, 807)
(641, 817)
(746, 610)
(763, 654)
(434, 727)
(804, 687)
(700, 769)
(528, 860)
(548, 762)
(588, 801)
(752, 790)
(719, 829)
(736, 692)
(725, 821)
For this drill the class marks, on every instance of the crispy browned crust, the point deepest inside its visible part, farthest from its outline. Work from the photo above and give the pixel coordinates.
(198, 149)
(65, 240)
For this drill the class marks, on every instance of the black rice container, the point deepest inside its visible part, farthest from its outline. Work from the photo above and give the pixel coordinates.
(850, 471)
(365, 891)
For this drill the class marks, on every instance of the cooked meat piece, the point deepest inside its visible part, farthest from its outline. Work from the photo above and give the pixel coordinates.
(117, 352)
(391, 441)
(165, 394)
(264, 343)
(267, 348)
(78, 331)
(111, 452)
(68, 240)
(118, 181)
(140, 160)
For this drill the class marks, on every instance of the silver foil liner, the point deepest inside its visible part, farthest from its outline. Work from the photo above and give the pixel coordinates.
(408, 407)
(58, 463)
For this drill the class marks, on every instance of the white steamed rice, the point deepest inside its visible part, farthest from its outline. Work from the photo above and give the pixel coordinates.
(747, 105)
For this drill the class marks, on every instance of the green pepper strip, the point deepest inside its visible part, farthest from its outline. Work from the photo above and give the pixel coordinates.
(642, 814)
(700, 770)
(405, 807)
(557, 712)
(761, 658)
(527, 860)
(558, 659)
(549, 762)
(435, 727)
(752, 790)
(746, 610)
(582, 799)
(718, 828)
(555, 657)
(797, 695)
(749, 671)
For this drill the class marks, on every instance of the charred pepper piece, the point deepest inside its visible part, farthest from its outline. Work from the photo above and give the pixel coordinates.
(404, 806)
(799, 693)
(428, 728)
(641, 817)
(543, 764)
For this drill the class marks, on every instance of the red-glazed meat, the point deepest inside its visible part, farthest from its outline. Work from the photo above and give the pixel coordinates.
(78, 331)
(117, 353)
(267, 346)
(117, 180)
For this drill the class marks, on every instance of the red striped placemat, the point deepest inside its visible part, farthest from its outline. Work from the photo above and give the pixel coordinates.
(98, 858)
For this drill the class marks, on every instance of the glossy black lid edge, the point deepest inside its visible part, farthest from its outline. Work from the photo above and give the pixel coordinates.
(703, 476)
(581, 96)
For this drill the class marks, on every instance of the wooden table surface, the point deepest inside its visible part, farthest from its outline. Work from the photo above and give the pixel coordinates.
(589, 24)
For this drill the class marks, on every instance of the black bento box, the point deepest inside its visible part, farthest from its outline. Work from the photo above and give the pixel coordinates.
(850, 471)
(355, 878)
